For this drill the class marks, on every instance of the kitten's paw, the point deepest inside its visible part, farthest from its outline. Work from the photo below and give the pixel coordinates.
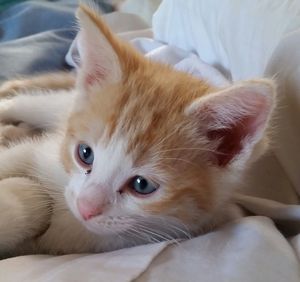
(15, 133)
(24, 212)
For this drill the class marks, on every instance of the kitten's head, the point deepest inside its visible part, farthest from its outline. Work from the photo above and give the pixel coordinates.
(151, 150)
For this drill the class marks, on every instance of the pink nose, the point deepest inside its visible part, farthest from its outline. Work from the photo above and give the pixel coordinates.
(88, 209)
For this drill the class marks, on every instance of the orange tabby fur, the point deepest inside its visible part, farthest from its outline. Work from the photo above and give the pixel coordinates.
(60, 80)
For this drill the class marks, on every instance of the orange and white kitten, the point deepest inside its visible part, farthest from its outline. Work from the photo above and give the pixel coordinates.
(137, 152)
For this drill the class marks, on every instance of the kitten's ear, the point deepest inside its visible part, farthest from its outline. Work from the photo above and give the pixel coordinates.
(234, 119)
(102, 54)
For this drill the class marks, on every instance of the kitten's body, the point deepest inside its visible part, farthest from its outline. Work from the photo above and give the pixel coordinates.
(190, 141)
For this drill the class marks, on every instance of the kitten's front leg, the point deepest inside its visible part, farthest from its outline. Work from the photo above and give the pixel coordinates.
(45, 111)
(42, 101)
(24, 212)
(48, 81)
(11, 134)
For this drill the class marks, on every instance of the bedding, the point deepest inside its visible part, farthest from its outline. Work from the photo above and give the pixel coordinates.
(250, 249)
(31, 41)
(262, 246)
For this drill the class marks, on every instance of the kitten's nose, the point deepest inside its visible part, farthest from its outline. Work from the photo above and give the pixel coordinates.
(88, 209)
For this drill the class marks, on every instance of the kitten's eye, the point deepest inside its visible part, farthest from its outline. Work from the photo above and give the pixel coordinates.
(142, 186)
(85, 154)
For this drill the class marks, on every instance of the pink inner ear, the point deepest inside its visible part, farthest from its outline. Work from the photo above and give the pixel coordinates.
(235, 123)
(93, 66)
(231, 139)
(95, 76)
(94, 61)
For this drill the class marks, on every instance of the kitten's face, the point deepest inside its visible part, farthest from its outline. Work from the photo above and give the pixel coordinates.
(136, 160)
(152, 152)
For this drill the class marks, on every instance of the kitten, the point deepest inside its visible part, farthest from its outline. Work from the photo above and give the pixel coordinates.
(135, 153)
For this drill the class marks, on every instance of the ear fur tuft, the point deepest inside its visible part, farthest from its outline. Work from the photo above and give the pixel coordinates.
(235, 118)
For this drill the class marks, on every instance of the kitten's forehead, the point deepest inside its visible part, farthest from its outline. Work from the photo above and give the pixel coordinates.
(150, 107)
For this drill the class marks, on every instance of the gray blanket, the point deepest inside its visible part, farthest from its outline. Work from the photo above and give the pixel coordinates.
(35, 36)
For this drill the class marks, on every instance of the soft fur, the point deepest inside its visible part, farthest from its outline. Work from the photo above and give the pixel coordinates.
(141, 118)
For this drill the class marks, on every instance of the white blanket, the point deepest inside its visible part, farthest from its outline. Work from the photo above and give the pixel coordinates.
(250, 249)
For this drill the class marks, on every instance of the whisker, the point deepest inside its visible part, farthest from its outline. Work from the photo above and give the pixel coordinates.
(133, 232)
(190, 148)
(183, 160)
(158, 233)
(167, 137)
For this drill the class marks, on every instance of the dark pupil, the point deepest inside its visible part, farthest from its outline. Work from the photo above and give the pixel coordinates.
(141, 184)
(87, 152)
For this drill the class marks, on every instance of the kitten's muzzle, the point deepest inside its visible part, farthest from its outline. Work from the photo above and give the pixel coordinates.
(90, 208)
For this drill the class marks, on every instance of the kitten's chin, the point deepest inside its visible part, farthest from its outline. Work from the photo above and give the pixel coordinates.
(102, 230)
(107, 225)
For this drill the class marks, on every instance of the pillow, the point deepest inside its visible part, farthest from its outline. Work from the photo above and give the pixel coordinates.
(238, 37)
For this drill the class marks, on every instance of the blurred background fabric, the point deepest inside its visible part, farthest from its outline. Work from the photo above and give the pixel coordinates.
(36, 35)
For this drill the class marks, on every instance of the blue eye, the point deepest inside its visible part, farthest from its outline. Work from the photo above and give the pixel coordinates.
(85, 154)
(142, 186)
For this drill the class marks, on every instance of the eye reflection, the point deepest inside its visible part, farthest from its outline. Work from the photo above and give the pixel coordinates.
(85, 155)
(142, 186)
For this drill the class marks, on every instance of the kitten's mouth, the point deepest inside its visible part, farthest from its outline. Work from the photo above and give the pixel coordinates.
(138, 229)
(108, 225)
